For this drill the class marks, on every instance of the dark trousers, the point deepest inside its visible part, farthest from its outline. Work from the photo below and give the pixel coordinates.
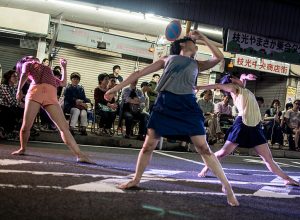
(273, 132)
(10, 118)
(106, 119)
(140, 117)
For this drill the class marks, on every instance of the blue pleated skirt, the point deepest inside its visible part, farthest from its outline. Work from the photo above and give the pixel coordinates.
(245, 136)
(177, 117)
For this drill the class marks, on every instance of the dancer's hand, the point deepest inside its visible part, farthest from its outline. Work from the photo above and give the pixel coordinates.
(251, 77)
(108, 96)
(197, 35)
(19, 96)
(63, 62)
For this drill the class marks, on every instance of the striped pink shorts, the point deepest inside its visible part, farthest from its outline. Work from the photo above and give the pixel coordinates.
(44, 94)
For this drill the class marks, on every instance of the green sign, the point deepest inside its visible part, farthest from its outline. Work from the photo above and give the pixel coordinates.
(257, 46)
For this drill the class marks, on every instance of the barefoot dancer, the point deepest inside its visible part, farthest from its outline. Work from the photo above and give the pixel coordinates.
(246, 130)
(43, 92)
(176, 113)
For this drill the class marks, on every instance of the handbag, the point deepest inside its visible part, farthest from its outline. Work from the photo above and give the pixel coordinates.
(105, 108)
(135, 108)
(80, 107)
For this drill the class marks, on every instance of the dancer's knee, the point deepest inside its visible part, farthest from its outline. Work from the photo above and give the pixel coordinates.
(25, 128)
(203, 149)
(148, 147)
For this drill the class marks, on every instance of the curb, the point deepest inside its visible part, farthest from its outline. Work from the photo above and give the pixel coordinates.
(118, 141)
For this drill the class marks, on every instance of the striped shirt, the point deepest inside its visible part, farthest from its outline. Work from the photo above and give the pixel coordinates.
(39, 74)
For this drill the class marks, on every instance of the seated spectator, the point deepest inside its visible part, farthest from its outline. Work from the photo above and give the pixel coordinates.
(11, 111)
(152, 93)
(288, 106)
(46, 62)
(112, 83)
(145, 86)
(207, 108)
(272, 123)
(260, 101)
(291, 123)
(75, 104)
(133, 100)
(224, 111)
(106, 110)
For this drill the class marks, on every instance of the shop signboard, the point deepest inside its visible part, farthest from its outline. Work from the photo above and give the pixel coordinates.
(263, 47)
(262, 65)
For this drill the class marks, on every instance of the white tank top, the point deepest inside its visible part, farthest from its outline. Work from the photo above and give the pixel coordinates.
(248, 108)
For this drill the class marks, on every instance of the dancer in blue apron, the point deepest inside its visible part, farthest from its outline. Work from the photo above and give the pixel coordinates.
(176, 113)
(247, 130)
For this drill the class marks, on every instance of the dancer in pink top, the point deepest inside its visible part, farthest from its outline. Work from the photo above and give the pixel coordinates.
(42, 93)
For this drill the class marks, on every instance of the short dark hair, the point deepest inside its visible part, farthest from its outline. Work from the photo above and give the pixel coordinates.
(260, 99)
(288, 105)
(144, 84)
(296, 100)
(116, 67)
(155, 74)
(45, 59)
(75, 75)
(275, 100)
(57, 67)
(6, 77)
(102, 76)
(175, 46)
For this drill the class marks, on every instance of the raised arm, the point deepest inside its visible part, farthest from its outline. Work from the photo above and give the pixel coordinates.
(159, 64)
(63, 64)
(217, 54)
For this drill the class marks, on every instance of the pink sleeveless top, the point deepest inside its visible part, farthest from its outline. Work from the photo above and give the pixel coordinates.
(39, 74)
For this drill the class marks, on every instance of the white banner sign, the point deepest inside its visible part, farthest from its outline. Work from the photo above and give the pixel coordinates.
(262, 65)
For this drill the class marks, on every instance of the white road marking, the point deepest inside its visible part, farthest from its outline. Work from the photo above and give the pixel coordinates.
(7, 162)
(274, 191)
(98, 186)
(180, 158)
(279, 163)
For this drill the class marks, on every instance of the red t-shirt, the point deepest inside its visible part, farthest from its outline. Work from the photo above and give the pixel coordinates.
(39, 74)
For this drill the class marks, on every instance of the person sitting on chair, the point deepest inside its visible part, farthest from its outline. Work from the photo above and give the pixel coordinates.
(132, 110)
(75, 104)
(106, 109)
(292, 120)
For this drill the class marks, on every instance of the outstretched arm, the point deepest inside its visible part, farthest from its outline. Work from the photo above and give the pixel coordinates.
(159, 64)
(217, 54)
(225, 87)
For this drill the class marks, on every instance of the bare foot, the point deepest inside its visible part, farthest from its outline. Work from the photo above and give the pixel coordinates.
(231, 199)
(203, 172)
(291, 182)
(84, 159)
(128, 185)
(19, 152)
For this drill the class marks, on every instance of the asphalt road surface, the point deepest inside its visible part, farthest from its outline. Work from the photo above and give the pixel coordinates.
(47, 183)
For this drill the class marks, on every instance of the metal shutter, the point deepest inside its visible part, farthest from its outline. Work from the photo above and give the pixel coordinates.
(90, 65)
(10, 54)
